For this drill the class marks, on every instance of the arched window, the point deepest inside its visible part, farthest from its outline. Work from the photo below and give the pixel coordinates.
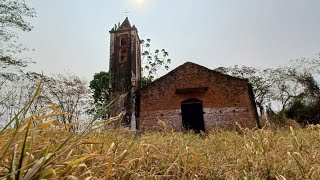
(124, 41)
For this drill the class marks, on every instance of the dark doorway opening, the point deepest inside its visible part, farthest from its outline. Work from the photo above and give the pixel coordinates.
(192, 115)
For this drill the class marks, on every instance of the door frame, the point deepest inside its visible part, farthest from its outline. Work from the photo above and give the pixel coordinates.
(197, 125)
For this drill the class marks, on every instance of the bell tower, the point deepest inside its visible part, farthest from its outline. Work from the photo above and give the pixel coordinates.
(125, 65)
(125, 58)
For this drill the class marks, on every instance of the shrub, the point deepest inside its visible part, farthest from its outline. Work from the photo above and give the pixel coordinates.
(304, 113)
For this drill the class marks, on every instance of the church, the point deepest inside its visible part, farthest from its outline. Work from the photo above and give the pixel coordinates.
(190, 97)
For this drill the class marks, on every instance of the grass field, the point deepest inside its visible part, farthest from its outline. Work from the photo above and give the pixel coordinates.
(51, 152)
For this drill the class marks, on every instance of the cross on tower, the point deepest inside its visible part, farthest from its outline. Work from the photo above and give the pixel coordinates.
(126, 12)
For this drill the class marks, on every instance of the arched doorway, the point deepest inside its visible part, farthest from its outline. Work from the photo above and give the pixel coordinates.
(192, 115)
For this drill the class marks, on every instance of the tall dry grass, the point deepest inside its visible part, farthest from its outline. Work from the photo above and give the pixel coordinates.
(38, 147)
(262, 154)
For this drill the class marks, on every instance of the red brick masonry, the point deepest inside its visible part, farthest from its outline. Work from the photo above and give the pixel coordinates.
(226, 99)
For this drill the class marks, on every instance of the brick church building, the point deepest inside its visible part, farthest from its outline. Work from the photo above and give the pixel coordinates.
(190, 97)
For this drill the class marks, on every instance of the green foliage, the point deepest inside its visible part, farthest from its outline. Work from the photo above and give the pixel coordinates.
(295, 109)
(278, 118)
(153, 61)
(303, 112)
(305, 109)
(100, 88)
(312, 90)
(145, 81)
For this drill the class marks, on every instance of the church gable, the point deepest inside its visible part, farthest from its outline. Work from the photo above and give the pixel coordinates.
(187, 78)
(221, 100)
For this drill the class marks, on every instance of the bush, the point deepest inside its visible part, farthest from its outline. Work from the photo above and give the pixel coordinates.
(277, 119)
(304, 113)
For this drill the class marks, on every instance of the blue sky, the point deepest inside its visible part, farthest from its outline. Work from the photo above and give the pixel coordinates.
(71, 36)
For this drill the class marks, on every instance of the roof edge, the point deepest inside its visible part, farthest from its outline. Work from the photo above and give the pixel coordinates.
(192, 64)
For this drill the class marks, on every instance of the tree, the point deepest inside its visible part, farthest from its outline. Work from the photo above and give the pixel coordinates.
(309, 65)
(12, 19)
(305, 109)
(153, 61)
(16, 94)
(304, 112)
(13, 96)
(100, 89)
(312, 89)
(285, 85)
(69, 93)
(13, 81)
(276, 85)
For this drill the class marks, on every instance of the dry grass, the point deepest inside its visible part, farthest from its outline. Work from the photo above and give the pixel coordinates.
(40, 148)
(274, 154)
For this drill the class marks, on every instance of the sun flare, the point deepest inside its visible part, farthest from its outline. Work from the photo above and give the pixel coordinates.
(140, 2)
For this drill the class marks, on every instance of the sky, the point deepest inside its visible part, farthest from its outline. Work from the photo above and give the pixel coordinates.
(72, 36)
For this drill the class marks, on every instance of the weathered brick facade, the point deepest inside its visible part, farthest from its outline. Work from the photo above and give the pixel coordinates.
(191, 97)
(226, 100)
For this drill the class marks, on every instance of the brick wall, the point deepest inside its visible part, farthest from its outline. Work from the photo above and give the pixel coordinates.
(226, 101)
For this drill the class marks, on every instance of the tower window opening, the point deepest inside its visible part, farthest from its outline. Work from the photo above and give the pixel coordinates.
(123, 41)
(123, 55)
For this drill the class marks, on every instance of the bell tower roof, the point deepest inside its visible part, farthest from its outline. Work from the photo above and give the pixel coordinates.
(125, 24)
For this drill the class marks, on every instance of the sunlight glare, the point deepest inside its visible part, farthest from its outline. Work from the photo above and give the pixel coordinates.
(140, 2)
